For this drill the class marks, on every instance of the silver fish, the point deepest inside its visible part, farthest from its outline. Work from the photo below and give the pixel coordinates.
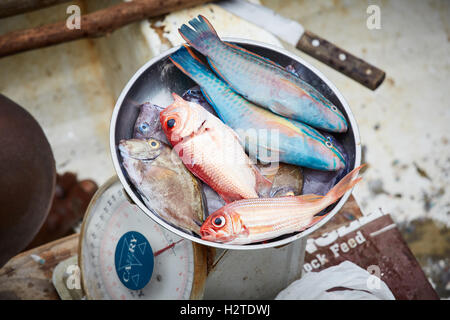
(164, 183)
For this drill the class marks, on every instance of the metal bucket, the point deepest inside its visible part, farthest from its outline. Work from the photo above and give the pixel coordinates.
(158, 78)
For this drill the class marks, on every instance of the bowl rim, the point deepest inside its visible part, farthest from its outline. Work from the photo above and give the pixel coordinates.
(160, 221)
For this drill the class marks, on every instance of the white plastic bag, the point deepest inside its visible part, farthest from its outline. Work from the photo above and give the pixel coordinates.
(351, 282)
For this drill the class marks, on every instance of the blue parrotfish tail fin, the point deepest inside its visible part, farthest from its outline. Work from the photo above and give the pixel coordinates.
(194, 68)
(190, 64)
(203, 37)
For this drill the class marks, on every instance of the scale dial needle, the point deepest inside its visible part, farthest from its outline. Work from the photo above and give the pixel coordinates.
(157, 253)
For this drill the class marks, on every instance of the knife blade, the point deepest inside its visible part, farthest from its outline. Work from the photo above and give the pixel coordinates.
(295, 34)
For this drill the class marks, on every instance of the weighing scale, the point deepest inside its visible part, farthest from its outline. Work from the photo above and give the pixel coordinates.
(179, 265)
(125, 255)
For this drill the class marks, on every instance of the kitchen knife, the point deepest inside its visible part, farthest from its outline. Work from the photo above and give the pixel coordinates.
(293, 33)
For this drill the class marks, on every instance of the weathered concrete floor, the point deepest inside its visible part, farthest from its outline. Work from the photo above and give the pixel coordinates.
(404, 124)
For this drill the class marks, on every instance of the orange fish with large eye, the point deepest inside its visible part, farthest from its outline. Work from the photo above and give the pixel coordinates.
(211, 151)
(255, 220)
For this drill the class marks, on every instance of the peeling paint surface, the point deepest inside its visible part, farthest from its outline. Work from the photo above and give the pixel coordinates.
(404, 123)
(225, 23)
(71, 90)
(63, 87)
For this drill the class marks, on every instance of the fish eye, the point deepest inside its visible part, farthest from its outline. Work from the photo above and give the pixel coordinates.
(333, 108)
(329, 144)
(218, 222)
(171, 123)
(154, 144)
(144, 127)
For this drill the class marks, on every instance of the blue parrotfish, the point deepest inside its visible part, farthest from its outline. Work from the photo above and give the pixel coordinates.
(297, 143)
(263, 81)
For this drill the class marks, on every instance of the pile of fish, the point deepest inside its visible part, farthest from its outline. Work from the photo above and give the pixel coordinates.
(225, 160)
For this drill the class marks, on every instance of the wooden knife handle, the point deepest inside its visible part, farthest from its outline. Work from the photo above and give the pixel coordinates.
(344, 62)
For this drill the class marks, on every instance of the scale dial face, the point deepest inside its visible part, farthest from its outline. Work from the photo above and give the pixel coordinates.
(110, 216)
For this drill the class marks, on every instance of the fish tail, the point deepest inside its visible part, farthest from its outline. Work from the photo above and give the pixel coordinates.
(313, 221)
(335, 193)
(346, 183)
(190, 65)
(203, 37)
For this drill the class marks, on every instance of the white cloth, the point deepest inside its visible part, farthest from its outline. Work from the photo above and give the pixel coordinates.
(359, 284)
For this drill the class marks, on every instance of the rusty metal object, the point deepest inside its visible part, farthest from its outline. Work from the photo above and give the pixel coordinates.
(10, 8)
(92, 25)
(27, 179)
(70, 202)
